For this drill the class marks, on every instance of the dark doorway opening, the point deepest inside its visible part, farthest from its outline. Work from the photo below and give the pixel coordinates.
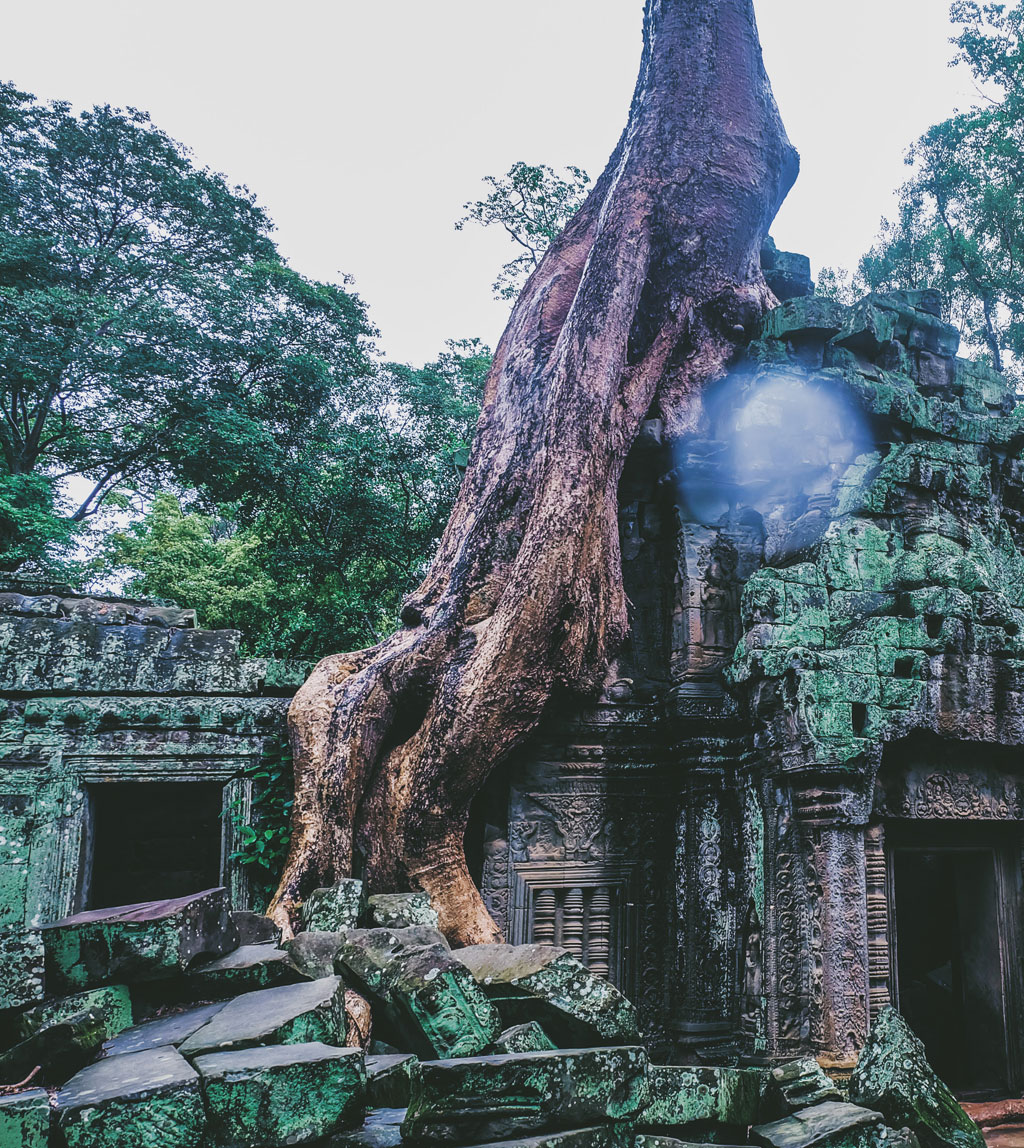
(152, 840)
(952, 930)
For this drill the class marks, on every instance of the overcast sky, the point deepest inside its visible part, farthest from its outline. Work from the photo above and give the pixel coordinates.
(364, 125)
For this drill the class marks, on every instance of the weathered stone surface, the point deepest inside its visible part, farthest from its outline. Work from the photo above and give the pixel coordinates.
(137, 942)
(529, 1037)
(255, 928)
(547, 984)
(21, 969)
(290, 1014)
(427, 1001)
(312, 952)
(831, 1124)
(687, 1094)
(401, 910)
(381, 1129)
(893, 1076)
(284, 1094)
(59, 1048)
(145, 1099)
(333, 909)
(387, 1079)
(801, 1083)
(25, 1119)
(490, 1098)
(111, 1005)
(600, 1136)
(246, 969)
(165, 1031)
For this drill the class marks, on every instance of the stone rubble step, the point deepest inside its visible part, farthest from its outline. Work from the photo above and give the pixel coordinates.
(25, 1119)
(335, 908)
(146, 1099)
(493, 1098)
(163, 1031)
(290, 1014)
(247, 968)
(388, 1078)
(547, 984)
(686, 1094)
(283, 1094)
(137, 942)
(400, 910)
(831, 1124)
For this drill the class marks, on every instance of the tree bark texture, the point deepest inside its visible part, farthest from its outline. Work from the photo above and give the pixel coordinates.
(640, 302)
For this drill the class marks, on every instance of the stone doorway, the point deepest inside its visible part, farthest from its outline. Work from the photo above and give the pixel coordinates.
(146, 841)
(953, 923)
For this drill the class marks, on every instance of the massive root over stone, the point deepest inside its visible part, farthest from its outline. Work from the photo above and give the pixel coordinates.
(642, 300)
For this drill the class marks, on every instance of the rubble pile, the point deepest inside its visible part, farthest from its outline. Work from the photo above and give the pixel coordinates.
(179, 1024)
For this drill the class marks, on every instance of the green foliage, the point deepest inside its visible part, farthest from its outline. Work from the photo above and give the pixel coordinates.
(150, 333)
(533, 205)
(265, 833)
(960, 226)
(324, 566)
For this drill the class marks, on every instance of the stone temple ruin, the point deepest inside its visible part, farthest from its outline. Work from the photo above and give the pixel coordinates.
(799, 800)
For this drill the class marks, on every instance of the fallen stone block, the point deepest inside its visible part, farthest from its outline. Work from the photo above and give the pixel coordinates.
(110, 1005)
(487, 1098)
(313, 953)
(163, 1032)
(547, 984)
(284, 1094)
(388, 1079)
(59, 1049)
(802, 1083)
(831, 1124)
(682, 1095)
(25, 1119)
(255, 928)
(137, 942)
(333, 909)
(401, 910)
(290, 1014)
(150, 1099)
(893, 1076)
(529, 1037)
(382, 1128)
(366, 953)
(244, 970)
(21, 969)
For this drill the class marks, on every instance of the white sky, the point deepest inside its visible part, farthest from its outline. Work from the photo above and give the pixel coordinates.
(364, 125)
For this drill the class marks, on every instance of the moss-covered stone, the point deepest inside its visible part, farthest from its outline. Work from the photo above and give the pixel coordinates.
(528, 1037)
(333, 909)
(288, 1094)
(144, 1099)
(246, 969)
(547, 984)
(387, 1079)
(489, 1098)
(290, 1014)
(682, 1095)
(831, 1124)
(893, 1076)
(111, 1005)
(137, 942)
(21, 969)
(802, 1083)
(25, 1119)
(400, 910)
(382, 1128)
(165, 1031)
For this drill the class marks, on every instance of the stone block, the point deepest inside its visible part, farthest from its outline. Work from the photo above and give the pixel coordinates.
(529, 1037)
(145, 1099)
(248, 968)
(25, 1119)
(313, 953)
(333, 909)
(683, 1095)
(547, 984)
(382, 1128)
(401, 910)
(387, 1079)
(163, 1032)
(110, 1005)
(60, 1048)
(21, 969)
(803, 1083)
(137, 942)
(284, 1094)
(831, 1124)
(367, 953)
(487, 1098)
(290, 1014)
(255, 928)
(893, 1076)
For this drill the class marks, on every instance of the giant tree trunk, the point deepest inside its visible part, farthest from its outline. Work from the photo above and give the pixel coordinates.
(641, 301)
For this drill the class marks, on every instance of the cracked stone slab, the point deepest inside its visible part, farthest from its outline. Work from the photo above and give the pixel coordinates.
(137, 942)
(282, 1094)
(831, 1124)
(547, 984)
(290, 1014)
(166, 1030)
(146, 1099)
(493, 1098)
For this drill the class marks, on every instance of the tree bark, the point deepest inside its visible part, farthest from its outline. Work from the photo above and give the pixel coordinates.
(640, 302)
